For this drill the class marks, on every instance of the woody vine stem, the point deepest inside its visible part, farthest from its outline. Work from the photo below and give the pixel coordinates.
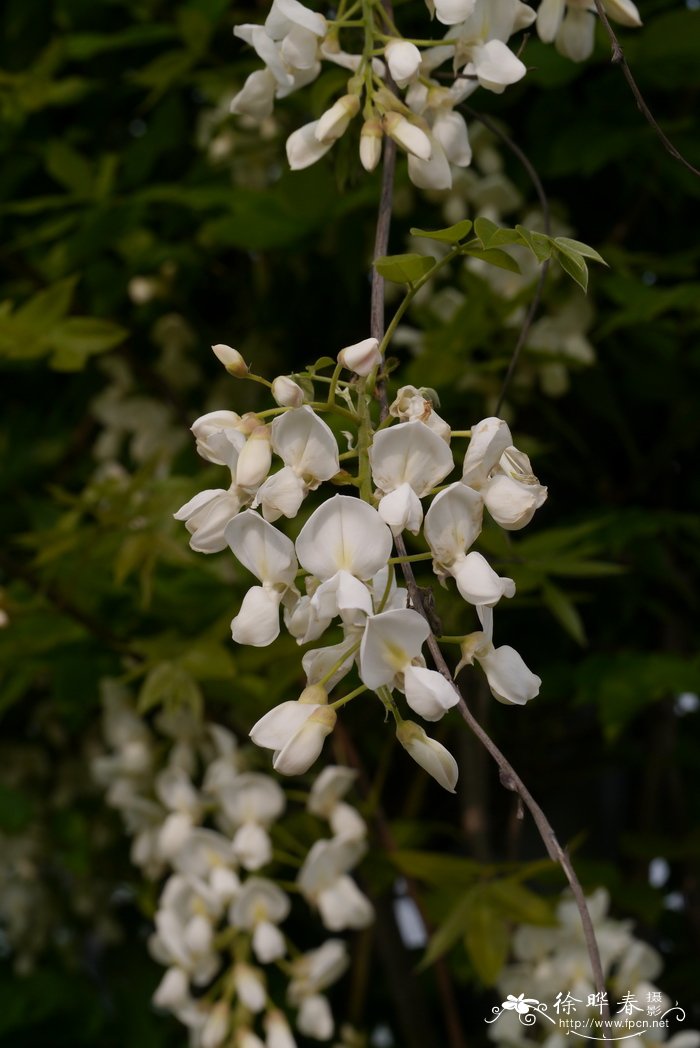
(508, 775)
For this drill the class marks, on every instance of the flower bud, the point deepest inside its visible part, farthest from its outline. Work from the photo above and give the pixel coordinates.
(403, 60)
(231, 359)
(250, 987)
(287, 393)
(216, 1027)
(278, 1034)
(431, 755)
(255, 459)
(371, 144)
(362, 357)
(409, 136)
(334, 122)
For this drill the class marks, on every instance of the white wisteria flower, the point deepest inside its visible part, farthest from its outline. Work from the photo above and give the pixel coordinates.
(344, 534)
(502, 475)
(509, 679)
(362, 357)
(326, 800)
(390, 654)
(413, 405)
(296, 730)
(250, 804)
(323, 880)
(571, 24)
(269, 555)
(260, 907)
(206, 516)
(309, 451)
(407, 461)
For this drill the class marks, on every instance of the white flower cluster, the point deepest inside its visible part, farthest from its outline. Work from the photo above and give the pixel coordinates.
(218, 918)
(294, 41)
(343, 552)
(554, 960)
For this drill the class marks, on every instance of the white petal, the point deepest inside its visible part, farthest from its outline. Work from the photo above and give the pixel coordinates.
(409, 454)
(408, 135)
(453, 522)
(344, 534)
(433, 173)
(623, 11)
(511, 503)
(258, 622)
(304, 747)
(389, 642)
(489, 440)
(509, 678)
(250, 987)
(431, 755)
(428, 693)
(268, 942)
(450, 130)
(347, 823)
(403, 59)
(478, 582)
(343, 595)
(252, 846)
(295, 12)
(496, 66)
(262, 549)
(173, 990)
(255, 459)
(281, 495)
(278, 725)
(298, 49)
(576, 35)
(304, 149)
(344, 906)
(257, 96)
(219, 437)
(315, 1018)
(305, 442)
(278, 1034)
(330, 787)
(549, 18)
(401, 509)
(206, 516)
(451, 12)
(318, 662)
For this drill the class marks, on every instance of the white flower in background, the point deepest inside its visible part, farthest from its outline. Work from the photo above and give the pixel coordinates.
(508, 677)
(269, 555)
(326, 801)
(323, 880)
(362, 357)
(250, 987)
(407, 461)
(175, 791)
(260, 907)
(277, 1031)
(315, 1018)
(250, 804)
(344, 534)
(309, 451)
(390, 654)
(209, 856)
(571, 24)
(184, 936)
(173, 990)
(216, 1027)
(431, 755)
(296, 730)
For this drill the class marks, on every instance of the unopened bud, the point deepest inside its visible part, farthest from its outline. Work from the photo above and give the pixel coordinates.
(334, 122)
(362, 357)
(403, 59)
(371, 144)
(287, 393)
(409, 136)
(255, 459)
(431, 755)
(231, 359)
